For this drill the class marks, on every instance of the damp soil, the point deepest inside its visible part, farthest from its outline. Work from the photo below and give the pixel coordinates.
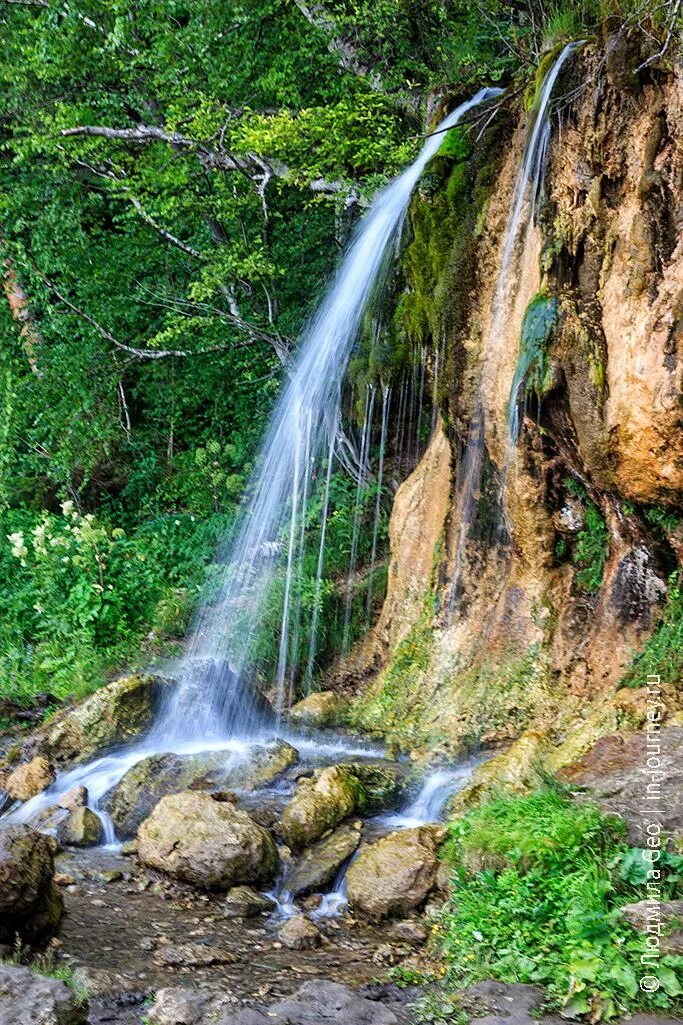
(120, 917)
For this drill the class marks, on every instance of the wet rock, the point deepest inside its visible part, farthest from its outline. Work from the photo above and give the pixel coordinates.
(243, 902)
(322, 1001)
(30, 779)
(319, 804)
(318, 865)
(133, 799)
(664, 918)
(299, 933)
(81, 828)
(114, 714)
(333, 794)
(383, 785)
(394, 875)
(74, 798)
(501, 1003)
(30, 903)
(615, 774)
(192, 955)
(385, 955)
(27, 998)
(64, 879)
(324, 708)
(409, 931)
(177, 1005)
(206, 842)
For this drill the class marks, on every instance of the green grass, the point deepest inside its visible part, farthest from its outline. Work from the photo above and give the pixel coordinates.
(537, 885)
(662, 653)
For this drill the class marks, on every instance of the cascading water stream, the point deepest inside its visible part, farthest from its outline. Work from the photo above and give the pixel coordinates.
(212, 698)
(520, 222)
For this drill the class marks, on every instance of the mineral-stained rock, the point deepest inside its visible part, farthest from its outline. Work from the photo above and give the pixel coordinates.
(395, 874)
(615, 773)
(132, 800)
(206, 842)
(319, 864)
(81, 828)
(324, 708)
(27, 998)
(30, 903)
(30, 778)
(320, 804)
(116, 713)
(383, 785)
(322, 1001)
(177, 1005)
(243, 902)
(299, 933)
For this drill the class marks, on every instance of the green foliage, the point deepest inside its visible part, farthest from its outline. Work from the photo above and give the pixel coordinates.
(662, 653)
(591, 551)
(537, 886)
(80, 595)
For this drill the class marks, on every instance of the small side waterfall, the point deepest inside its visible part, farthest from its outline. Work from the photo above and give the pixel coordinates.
(212, 699)
(520, 222)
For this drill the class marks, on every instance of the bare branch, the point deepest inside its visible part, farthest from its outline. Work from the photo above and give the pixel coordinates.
(676, 10)
(19, 308)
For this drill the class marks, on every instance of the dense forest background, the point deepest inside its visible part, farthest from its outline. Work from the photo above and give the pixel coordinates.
(177, 181)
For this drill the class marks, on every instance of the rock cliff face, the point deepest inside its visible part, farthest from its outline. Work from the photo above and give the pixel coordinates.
(526, 606)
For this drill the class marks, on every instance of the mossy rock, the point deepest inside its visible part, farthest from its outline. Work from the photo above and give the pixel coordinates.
(81, 828)
(321, 803)
(116, 714)
(324, 708)
(30, 904)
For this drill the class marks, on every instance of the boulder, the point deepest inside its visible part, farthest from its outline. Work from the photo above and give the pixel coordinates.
(324, 800)
(383, 785)
(299, 933)
(243, 902)
(177, 1005)
(318, 866)
(133, 799)
(27, 998)
(394, 875)
(325, 708)
(618, 770)
(30, 778)
(30, 903)
(114, 714)
(207, 842)
(332, 1002)
(76, 797)
(319, 804)
(81, 828)
(410, 931)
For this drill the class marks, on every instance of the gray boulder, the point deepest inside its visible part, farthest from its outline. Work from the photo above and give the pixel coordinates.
(30, 999)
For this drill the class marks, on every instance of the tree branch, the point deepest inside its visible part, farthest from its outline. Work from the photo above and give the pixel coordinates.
(19, 307)
(257, 169)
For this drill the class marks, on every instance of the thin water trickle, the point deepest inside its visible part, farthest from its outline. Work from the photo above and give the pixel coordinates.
(357, 511)
(386, 402)
(522, 209)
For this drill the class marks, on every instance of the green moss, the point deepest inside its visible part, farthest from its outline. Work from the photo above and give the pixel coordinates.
(531, 375)
(591, 551)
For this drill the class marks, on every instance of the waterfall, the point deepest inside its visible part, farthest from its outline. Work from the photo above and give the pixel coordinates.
(520, 221)
(213, 698)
